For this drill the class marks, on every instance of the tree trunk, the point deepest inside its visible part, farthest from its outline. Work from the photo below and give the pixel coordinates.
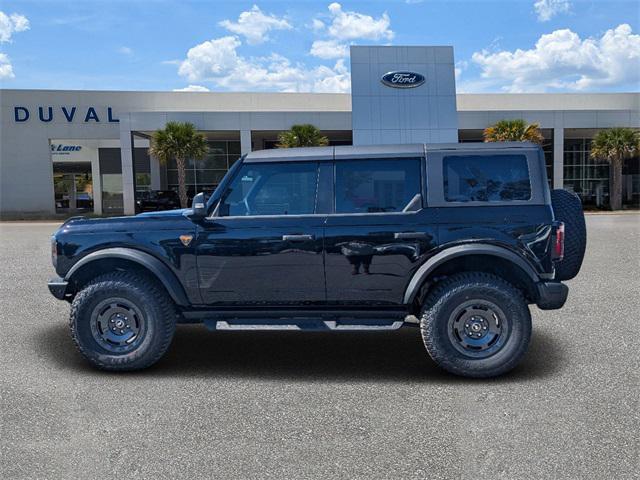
(182, 183)
(615, 195)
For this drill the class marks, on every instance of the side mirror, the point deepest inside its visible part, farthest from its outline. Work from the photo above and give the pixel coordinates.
(198, 207)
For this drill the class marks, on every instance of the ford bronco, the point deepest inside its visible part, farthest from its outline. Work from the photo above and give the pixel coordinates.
(458, 239)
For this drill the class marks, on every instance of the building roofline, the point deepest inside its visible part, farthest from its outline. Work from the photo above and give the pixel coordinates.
(340, 102)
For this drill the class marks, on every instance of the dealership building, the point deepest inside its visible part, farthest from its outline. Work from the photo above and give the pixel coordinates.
(70, 152)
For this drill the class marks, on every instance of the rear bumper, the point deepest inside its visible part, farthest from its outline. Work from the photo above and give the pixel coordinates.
(551, 295)
(58, 288)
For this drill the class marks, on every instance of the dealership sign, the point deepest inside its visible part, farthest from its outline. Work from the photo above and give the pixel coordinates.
(66, 113)
(402, 79)
(60, 149)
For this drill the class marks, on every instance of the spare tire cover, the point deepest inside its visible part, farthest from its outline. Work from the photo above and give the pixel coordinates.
(567, 208)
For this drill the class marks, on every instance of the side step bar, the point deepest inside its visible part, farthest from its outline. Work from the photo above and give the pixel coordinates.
(304, 324)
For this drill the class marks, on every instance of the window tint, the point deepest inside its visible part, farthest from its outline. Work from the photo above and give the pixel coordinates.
(486, 178)
(369, 186)
(273, 189)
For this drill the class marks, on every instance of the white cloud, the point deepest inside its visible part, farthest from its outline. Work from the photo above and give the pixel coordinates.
(210, 58)
(332, 80)
(125, 51)
(547, 9)
(354, 25)
(346, 26)
(6, 69)
(192, 88)
(10, 24)
(317, 25)
(218, 61)
(329, 49)
(562, 60)
(460, 66)
(254, 25)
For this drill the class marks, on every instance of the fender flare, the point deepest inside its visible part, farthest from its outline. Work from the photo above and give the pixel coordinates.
(161, 271)
(462, 250)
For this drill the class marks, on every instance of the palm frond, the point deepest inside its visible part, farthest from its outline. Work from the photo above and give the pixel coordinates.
(513, 131)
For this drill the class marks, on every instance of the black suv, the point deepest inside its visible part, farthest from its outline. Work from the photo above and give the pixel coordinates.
(157, 200)
(455, 238)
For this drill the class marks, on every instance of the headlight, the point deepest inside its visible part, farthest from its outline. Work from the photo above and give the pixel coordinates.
(54, 251)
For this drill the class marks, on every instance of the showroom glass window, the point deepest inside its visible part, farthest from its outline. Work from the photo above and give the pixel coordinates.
(587, 177)
(273, 189)
(376, 185)
(204, 175)
(486, 178)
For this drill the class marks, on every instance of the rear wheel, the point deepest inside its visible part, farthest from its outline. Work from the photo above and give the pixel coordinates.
(122, 321)
(567, 208)
(476, 325)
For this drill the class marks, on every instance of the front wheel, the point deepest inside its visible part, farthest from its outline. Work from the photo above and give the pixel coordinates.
(122, 321)
(476, 325)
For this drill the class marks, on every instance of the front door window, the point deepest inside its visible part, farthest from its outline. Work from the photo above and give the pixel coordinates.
(272, 189)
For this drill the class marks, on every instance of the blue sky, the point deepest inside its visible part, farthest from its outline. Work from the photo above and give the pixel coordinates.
(500, 46)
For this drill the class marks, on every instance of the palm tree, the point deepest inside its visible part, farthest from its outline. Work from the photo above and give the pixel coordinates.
(302, 136)
(615, 145)
(179, 141)
(513, 131)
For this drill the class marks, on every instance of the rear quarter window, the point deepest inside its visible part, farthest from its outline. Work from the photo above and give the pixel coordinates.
(486, 178)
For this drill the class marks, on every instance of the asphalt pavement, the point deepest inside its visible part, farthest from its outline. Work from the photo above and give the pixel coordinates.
(324, 405)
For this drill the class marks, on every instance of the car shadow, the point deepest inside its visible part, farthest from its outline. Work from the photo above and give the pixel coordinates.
(303, 356)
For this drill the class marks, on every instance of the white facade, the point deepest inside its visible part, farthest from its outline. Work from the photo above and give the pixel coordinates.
(102, 121)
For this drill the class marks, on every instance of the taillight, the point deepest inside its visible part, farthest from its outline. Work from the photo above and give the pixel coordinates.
(54, 251)
(558, 243)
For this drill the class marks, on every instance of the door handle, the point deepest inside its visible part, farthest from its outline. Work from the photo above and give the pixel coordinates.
(297, 238)
(409, 235)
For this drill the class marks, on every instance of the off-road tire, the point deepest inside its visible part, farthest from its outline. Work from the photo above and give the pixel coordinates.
(567, 208)
(152, 301)
(442, 302)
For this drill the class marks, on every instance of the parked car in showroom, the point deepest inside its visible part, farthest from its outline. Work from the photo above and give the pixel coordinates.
(463, 237)
(157, 200)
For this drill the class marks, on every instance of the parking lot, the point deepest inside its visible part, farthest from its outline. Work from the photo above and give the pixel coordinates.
(316, 405)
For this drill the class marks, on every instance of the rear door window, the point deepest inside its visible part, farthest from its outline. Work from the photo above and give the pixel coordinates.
(486, 178)
(376, 186)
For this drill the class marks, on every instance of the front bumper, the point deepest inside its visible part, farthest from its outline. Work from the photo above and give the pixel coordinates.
(551, 295)
(58, 288)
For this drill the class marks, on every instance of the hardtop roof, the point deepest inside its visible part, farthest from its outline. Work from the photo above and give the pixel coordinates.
(344, 152)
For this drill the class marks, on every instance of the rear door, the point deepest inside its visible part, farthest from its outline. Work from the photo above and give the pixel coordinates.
(265, 246)
(379, 231)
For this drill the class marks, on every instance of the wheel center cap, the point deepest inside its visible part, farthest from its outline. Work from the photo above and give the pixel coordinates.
(475, 327)
(119, 323)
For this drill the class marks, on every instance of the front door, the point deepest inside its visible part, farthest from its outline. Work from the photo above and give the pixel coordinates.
(73, 187)
(264, 247)
(379, 233)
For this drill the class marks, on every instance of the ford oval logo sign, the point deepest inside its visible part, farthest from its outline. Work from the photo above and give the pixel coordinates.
(402, 79)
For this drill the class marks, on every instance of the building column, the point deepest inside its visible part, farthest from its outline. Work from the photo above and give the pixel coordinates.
(558, 157)
(96, 181)
(126, 158)
(245, 141)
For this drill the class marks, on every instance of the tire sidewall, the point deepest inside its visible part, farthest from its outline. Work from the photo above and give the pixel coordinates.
(85, 304)
(435, 322)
